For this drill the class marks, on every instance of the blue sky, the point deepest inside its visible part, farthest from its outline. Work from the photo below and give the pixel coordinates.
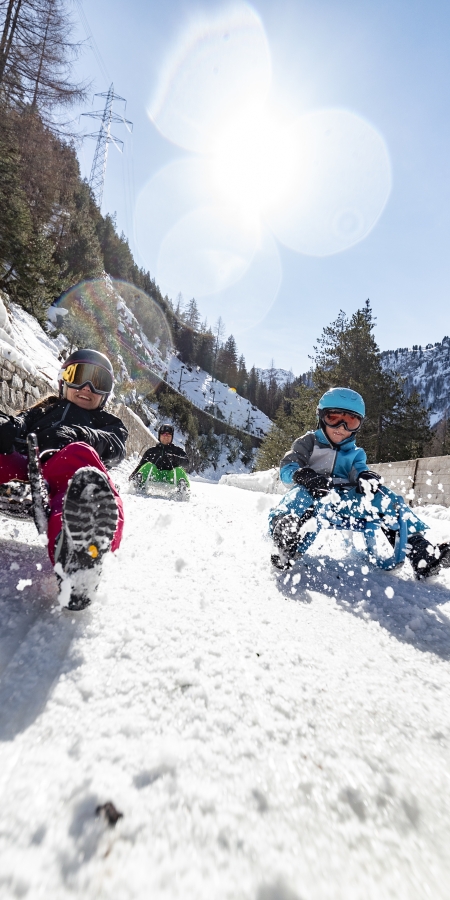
(385, 62)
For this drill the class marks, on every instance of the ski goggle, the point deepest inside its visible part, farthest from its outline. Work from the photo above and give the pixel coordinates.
(79, 375)
(335, 417)
(166, 431)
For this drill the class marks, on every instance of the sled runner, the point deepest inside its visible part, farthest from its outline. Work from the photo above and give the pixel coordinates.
(386, 546)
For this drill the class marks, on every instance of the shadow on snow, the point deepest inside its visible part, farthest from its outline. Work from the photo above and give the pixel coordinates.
(34, 636)
(407, 609)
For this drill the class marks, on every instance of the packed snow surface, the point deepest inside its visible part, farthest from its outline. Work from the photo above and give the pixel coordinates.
(264, 739)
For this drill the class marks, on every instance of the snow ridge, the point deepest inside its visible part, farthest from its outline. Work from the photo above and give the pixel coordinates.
(426, 370)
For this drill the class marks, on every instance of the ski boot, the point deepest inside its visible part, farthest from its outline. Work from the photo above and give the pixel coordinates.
(90, 518)
(286, 535)
(427, 559)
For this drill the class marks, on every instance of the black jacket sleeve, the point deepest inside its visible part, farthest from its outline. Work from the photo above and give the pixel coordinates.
(104, 432)
(109, 440)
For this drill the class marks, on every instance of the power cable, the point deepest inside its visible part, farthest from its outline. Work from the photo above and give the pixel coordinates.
(92, 40)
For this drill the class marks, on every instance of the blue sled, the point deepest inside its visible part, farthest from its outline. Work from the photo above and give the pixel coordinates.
(347, 510)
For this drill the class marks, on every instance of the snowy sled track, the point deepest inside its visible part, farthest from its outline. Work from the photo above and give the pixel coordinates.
(261, 744)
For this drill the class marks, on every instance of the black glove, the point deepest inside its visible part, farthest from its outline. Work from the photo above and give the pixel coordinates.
(317, 485)
(6, 435)
(70, 434)
(367, 483)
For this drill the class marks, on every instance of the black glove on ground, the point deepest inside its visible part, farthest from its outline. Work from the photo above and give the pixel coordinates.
(317, 485)
(367, 480)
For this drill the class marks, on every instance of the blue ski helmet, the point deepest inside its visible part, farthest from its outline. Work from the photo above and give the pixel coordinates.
(342, 398)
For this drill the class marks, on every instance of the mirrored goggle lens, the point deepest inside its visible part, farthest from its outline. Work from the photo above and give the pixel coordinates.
(80, 374)
(166, 431)
(340, 417)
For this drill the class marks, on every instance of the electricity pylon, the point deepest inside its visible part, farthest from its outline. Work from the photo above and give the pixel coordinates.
(104, 139)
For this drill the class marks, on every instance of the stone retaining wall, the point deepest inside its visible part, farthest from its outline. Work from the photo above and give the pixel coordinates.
(18, 389)
(139, 437)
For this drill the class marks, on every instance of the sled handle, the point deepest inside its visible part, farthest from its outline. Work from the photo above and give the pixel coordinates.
(39, 492)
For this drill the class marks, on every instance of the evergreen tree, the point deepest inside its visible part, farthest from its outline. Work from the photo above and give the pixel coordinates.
(242, 377)
(252, 387)
(117, 257)
(347, 355)
(204, 350)
(410, 431)
(294, 418)
(227, 362)
(191, 315)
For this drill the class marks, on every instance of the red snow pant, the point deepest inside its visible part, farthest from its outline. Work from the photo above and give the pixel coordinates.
(58, 471)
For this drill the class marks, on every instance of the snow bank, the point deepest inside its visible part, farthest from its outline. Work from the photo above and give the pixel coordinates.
(267, 482)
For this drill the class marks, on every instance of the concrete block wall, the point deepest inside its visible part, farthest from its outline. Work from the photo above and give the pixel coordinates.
(419, 481)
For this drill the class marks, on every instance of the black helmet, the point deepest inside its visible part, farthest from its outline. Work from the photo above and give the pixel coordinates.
(165, 428)
(87, 367)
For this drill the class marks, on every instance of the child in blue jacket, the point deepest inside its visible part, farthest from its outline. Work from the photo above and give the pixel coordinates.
(333, 486)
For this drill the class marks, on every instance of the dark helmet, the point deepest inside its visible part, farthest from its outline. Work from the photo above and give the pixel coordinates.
(87, 367)
(165, 428)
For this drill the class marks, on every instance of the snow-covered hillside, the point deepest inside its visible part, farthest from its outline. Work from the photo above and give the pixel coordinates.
(216, 398)
(22, 340)
(427, 370)
(281, 376)
(264, 738)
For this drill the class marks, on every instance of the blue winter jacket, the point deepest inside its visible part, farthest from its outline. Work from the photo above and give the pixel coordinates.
(343, 461)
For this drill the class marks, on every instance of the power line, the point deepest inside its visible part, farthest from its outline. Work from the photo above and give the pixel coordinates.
(92, 41)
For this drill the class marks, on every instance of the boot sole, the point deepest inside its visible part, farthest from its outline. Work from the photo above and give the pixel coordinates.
(90, 519)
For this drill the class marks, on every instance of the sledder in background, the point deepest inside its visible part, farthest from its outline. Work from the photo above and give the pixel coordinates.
(77, 441)
(332, 486)
(162, 469)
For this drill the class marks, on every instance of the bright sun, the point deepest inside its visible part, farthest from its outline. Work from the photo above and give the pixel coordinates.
(253, 161)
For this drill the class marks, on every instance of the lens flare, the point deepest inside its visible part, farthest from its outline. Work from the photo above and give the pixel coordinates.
(318, 182)
(121, 321)
(207, 251)
(219, 62)
(254, 160)
(247, 302)
(340, 188)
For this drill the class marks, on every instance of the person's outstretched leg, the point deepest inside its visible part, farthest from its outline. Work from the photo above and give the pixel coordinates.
(58, 471)
(285, 524)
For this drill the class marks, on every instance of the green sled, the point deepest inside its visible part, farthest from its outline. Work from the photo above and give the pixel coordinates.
(174, 482)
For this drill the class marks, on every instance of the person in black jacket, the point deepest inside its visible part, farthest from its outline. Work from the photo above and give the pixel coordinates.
(166, 456)
(78, 441)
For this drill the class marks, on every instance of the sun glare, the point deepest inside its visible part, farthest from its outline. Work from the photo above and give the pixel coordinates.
(315, 181)
(253, 161)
